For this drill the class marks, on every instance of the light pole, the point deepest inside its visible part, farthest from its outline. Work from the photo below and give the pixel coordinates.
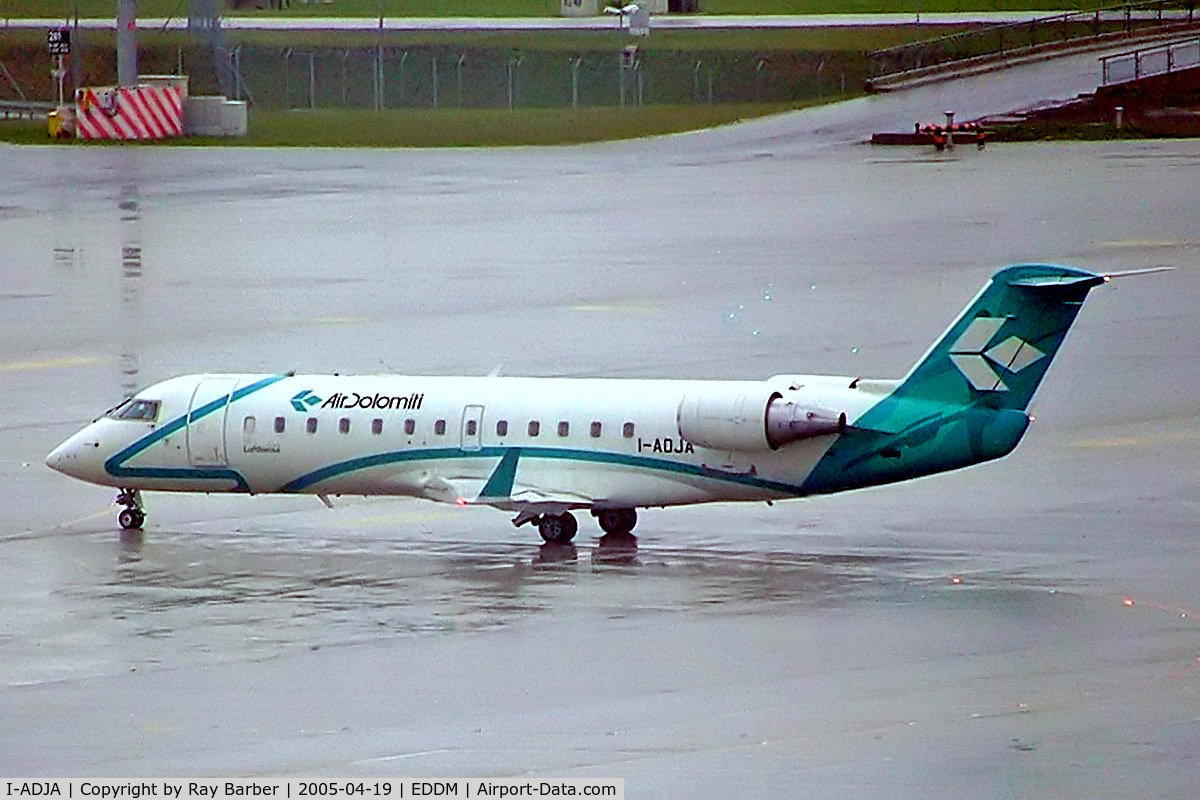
(126, 42)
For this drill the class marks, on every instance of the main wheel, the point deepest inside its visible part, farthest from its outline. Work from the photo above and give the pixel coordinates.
(559, 528)
(131, 518)
(617, 520)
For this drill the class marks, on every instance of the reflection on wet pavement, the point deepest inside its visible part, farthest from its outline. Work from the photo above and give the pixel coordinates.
(195, 596)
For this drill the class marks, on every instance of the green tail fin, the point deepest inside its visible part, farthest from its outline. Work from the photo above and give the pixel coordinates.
(964, 401)
(1002, 345)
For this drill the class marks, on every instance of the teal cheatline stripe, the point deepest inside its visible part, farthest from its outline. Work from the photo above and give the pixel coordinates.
(501, 483)
(566, 454)
(381, 459)
(115, 465)
(664, 465)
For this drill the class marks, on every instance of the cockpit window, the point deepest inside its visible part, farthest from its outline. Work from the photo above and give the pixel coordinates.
(141, 410)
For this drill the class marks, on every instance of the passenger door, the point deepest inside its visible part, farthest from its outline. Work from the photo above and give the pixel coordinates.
(472, 423)
(206, 422)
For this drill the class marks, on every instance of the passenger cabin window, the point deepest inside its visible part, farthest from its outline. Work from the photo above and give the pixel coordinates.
(248, 425)
(534, 427)
(138, 410)
(564, 428)
(502, 428)
(471, 427)
(344, 425)
(377, 426)
(311, 425)
(280, 424)
(439, 427)
(627, 430)
(410, 426)
(596, 427)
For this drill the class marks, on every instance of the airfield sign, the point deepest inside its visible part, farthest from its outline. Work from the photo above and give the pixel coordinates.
(58, 41)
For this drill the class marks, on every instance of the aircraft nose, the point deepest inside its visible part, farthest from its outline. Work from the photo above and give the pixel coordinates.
(75, 457)
(56, 457)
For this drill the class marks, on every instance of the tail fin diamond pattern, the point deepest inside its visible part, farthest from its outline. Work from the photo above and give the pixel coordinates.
(972, 357)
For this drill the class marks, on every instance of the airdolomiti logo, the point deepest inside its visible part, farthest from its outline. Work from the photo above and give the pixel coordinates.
(975, 360)
(305, 400)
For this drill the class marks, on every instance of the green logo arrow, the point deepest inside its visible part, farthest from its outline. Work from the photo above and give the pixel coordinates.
(304, 400)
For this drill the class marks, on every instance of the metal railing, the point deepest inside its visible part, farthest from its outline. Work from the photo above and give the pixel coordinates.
(1009, 39)
(25, 108)
(1147, 61)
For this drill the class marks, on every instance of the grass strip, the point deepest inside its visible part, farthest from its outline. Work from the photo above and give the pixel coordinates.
(450, 127)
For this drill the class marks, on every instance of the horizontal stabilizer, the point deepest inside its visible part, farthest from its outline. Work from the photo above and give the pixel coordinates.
(1075, 282)
(1131, 272)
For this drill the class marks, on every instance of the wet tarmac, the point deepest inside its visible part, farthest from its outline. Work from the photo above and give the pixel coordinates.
(1026, 628)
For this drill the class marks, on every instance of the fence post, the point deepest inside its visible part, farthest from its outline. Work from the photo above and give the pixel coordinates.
(513, 64)
(458, 75)
(312, 80)
(575, 83)
(345, 80)
(378, 76)
(287, 78)
(237, 72)
(621, 77)
(435, 81)
(403, 58)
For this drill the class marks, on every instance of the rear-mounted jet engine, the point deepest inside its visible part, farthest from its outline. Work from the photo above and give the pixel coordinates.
(745, 418)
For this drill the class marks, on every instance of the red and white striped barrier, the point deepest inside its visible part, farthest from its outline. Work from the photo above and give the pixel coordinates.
(122, 112)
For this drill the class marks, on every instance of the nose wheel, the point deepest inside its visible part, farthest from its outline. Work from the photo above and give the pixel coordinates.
(133, 516)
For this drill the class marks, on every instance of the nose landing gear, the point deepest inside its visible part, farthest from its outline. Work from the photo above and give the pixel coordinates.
(133, 516)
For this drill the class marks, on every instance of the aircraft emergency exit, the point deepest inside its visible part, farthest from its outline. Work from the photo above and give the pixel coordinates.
(545, 447)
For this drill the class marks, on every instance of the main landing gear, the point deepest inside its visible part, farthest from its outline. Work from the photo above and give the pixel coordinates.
(557, 528)
(133, 516)
(617, 520)
(561, 528)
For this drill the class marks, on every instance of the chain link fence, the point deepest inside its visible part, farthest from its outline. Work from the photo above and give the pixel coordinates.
(443, 77)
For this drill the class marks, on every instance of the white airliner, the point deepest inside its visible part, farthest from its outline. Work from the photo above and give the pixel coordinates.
(544, 447)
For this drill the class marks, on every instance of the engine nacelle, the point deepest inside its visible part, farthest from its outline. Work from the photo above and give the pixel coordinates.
(746, 417)
(788, 421)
